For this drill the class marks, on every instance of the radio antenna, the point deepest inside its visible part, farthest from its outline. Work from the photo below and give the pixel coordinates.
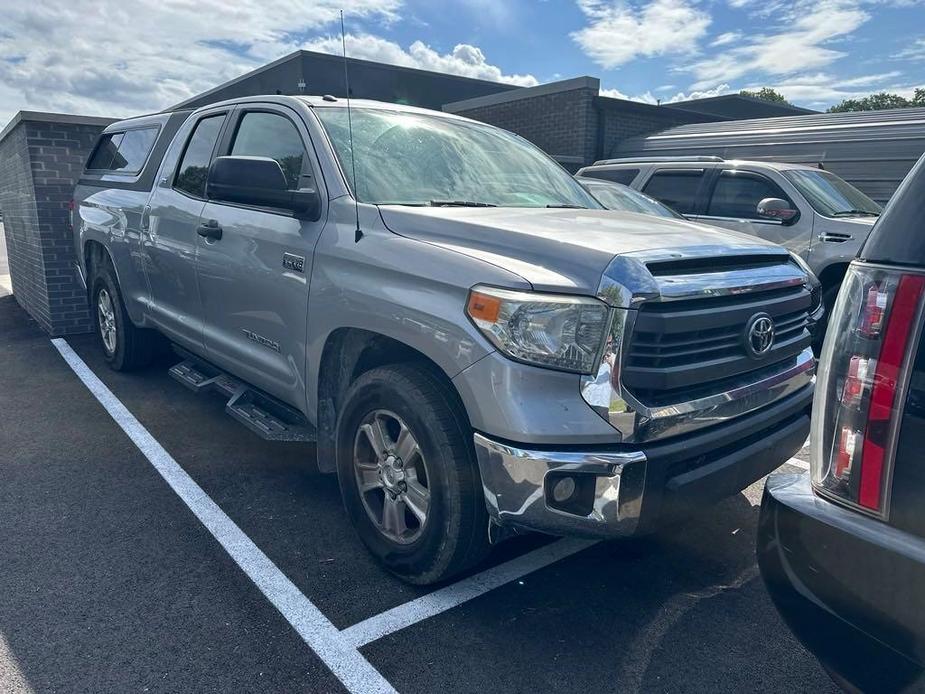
(353, 153)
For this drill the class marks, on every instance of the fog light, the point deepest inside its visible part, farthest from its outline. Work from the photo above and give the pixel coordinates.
(563, 489)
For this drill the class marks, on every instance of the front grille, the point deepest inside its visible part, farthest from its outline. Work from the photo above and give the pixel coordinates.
(695, 346)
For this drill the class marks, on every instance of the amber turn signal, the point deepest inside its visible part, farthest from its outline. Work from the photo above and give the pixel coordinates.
(483, 307)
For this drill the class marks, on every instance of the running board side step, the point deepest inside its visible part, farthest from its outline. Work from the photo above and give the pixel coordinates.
(263, 414)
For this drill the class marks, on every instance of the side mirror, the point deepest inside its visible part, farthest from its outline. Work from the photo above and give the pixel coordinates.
(775, 208)
(258, 181)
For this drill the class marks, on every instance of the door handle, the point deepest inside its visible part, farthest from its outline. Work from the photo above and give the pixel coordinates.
(210, 230)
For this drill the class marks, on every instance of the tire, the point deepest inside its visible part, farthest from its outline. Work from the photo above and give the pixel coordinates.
(454, 533)
(125, 346)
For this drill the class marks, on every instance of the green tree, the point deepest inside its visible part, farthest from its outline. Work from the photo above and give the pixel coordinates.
(766, 94)
(880, 101)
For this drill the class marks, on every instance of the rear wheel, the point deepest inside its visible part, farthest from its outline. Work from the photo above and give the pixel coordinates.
(125, 346)
(408, 474)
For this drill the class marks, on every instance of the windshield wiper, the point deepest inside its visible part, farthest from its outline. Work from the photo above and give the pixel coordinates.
(566, 206)
(460, 203)
(844, 213)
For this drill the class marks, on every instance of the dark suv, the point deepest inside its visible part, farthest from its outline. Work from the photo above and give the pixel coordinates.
(842, 550)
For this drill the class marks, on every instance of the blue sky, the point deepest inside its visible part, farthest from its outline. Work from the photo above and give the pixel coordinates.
(118, 57)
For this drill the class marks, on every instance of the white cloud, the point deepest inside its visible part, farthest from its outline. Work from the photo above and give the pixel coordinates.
(820, 90)
(614, 93)
(914, 52)
(726, 38)
(648, 98)
(464, 59)
(619, 32)
(118, 58)
(803, 45)
(718, 90)
(111, 58)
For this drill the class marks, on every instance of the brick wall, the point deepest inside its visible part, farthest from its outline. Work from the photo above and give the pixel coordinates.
(563, 124)
(41, 158)
(623, 119)
(570, 120)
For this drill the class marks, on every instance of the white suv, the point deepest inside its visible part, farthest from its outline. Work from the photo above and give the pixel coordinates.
(814, 213)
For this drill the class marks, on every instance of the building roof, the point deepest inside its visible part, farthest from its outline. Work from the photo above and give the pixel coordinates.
(813, 122)
(43, 117)
(735, 106)
(323, 73)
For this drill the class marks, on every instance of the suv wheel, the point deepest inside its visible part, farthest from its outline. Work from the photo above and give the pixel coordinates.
(125, 346)
(408, 474)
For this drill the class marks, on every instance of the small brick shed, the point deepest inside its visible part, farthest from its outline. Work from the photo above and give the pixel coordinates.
(41, 158)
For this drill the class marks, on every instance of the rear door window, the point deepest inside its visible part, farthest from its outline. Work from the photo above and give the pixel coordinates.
(133, 150)
(262, 134)
(124, 152)
(676, 188)
(194, 166)
(737, 194)
(105, 151)
(624, 176)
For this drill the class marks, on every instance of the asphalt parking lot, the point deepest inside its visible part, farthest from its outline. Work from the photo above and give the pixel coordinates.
(109, 582)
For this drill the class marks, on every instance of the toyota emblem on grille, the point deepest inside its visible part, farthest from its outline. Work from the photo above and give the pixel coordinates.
(759, 335)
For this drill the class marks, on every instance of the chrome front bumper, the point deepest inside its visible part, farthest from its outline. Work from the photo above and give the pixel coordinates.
(519, 483)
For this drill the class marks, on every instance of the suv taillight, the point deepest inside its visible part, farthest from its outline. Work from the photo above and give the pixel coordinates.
(861, 384)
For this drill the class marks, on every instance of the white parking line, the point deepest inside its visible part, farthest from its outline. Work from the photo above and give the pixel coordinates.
(347, 664)
(456, 594)
(796, 462)
(338, 649)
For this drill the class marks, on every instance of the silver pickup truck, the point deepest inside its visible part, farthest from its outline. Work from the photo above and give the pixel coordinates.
(475, 345)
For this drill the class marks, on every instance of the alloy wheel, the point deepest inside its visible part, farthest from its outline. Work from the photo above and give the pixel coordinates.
(391, 475)
(106, 318)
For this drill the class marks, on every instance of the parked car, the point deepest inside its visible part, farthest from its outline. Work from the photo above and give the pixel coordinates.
(475, 345)
(842, 550)
(616, 196)
(813, 212)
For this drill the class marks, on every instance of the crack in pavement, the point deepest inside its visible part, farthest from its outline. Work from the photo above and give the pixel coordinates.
(639, 654)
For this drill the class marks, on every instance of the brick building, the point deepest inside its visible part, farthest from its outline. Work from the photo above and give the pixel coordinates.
(42, 154)
(570, 120)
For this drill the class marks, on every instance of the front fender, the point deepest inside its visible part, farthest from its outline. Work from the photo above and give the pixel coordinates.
(410, 291)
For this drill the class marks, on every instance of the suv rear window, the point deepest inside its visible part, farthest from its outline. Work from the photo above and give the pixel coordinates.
(123, 152)
(624, 176)
(678, 189)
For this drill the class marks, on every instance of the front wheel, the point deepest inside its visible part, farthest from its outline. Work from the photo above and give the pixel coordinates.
(408, 474)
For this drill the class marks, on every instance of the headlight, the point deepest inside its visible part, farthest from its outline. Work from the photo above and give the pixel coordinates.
(813, 284)
(559, 332)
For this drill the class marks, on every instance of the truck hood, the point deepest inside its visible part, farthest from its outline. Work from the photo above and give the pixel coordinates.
(564, 250)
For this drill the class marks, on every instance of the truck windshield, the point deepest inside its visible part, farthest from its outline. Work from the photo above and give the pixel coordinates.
(832, 196)
(407, 158)
(615, 196)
